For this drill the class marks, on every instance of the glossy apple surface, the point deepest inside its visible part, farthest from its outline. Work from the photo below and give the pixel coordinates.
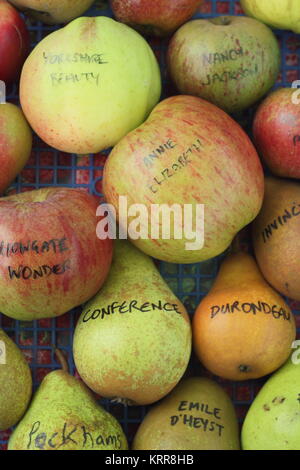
(231, 61)
(50, 257)
(15, 143)
(14, 42)
(276, 131)
(158, 17)
(187, 152)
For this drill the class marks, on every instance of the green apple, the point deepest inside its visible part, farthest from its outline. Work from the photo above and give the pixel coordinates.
(53, 11)
(15, 143)
(85, 86)
(272, 422)
(281, 14)
(230, 61)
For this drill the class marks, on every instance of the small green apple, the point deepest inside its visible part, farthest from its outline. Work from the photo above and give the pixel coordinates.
(15, 143)
(230, 61)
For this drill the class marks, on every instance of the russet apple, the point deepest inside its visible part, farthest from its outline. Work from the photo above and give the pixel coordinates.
(158, 17)
(53, 11)
(15, 143)
(51, 259)
(231, 61)
(276, 131)
(281, 14)
(14, 42)
(88, 91)
(187, 152)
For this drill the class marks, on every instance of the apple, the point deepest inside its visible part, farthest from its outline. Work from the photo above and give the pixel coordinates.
(53, 11)
(15, 143)
(188, 152)
(158, 17)
(88, 91)
(14, 42)
(231, 61)
(281, 14)
(51, 259)
(276, 131)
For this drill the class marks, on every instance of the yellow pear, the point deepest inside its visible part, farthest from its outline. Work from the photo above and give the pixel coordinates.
(242, 329)
(197, 415)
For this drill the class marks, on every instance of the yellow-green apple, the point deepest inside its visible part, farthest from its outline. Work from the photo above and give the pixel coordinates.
(230, 61)
(88, 91)
(158, 17)
(281, 14)
(51, 259)
(14, 42)
(15, 143)
(276, 131)
(53, 11)
(188, 152)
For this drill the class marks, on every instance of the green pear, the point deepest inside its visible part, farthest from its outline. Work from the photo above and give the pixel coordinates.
(132, 342)
(64, 415)
(273, 420)
(197, 415)
(94, 81)
(15, 383)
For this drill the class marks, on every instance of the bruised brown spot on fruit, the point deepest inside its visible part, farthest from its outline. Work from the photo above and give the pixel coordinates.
(278, 400)
(266, 407)
(244, 368)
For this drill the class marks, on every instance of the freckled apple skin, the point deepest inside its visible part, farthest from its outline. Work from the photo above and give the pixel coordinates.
(283, 14)
(14, 42)
(276, 131)
(43, 215)
(15, 143)
(230, 61)
(157, 17)
(225, 175)
(86, 114)
(53, 11)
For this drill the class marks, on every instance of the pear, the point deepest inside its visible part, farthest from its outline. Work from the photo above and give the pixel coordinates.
(197, 415)
(273, 420)
(64, 415)
(276, 236)
(242, 329)
(53, 11)
(89, 92)
(15, 383)
(132, 342)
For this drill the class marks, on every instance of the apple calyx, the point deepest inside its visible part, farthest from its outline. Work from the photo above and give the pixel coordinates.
(221, 21)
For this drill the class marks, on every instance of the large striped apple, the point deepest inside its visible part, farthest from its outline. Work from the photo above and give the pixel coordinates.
(94, 81)
(50, 257)
(187, 152)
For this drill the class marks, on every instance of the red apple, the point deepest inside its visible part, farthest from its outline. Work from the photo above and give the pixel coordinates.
(188, 152)
(14, 42)
(50, 257)
(276, 130)
(158, 17)
(15, 143)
